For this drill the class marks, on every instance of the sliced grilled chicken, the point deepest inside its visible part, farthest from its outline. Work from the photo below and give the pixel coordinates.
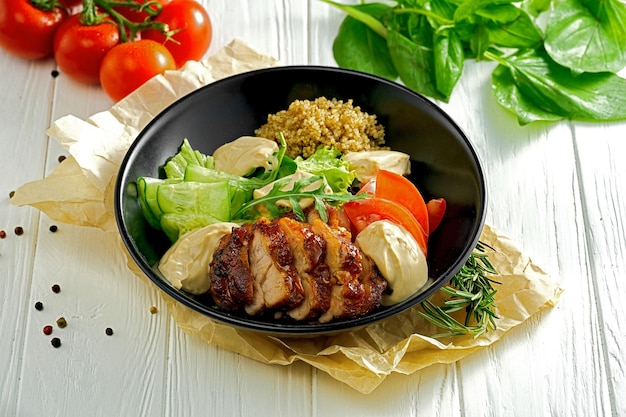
(277, 283)
(309, 251)
(229, 271)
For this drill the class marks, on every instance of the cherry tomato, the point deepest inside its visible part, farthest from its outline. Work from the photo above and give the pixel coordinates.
(79, 49)
(26, 30)
(135, 15)
(395, 187)
(363, 212)
(72, 5)
(195, 30)
(129, 65)
(436, 209)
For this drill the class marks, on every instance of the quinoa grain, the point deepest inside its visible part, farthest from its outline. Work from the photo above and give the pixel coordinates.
(333, 123)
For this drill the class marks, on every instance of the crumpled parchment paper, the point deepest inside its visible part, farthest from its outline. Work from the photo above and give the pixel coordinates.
(80, 192)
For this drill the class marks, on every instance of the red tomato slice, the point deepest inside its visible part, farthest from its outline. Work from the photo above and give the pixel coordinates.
(363, 212)
(395, 187)
(436, 209)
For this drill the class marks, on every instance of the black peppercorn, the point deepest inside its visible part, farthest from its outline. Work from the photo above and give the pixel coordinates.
(109, 331)
(54, 73)
(3, 234)
(19, 230)
(56, 288)
(39, 305)
(56, 342)
(53, 228)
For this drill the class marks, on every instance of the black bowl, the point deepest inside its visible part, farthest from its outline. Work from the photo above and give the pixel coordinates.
(443, 163)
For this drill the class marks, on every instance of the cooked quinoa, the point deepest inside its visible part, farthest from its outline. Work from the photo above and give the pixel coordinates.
(334, 123)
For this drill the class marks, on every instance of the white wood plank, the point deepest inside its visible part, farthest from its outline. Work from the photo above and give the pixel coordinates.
(602, 174)
(203, 379)
(535, 199)
(556, 189)
(26, 93)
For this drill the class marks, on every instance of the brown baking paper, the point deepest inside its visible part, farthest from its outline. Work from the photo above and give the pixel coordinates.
(79, 191)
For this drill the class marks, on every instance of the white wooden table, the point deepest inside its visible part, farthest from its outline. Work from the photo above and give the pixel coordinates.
(557, 189)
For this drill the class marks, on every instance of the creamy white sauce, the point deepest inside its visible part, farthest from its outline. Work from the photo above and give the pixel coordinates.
(367, 163)
(186, 262)
(398, 257)
(245, 154)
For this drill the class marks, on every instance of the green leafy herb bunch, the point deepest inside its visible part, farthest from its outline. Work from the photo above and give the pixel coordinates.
(557, 59)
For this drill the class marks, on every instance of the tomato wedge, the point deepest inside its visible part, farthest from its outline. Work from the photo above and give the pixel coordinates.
(397, 188)
(436, 209)
(363, 212)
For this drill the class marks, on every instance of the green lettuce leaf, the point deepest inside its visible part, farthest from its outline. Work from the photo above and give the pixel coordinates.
(326, 162)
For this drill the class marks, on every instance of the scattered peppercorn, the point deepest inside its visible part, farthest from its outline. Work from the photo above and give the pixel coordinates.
(56, 342)
(47, 330)
(11, 194)
(153, 310)
(3, 234)
(54, 228)
(39, 305)
(56, 288)
(19, 230)
(61, 322)
(54, 73)
(61, 158)
(109, 331)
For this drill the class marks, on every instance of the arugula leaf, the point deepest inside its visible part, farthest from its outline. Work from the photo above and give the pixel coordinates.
(588, 35)
(360, 48)
(306, 187)
(553, 89)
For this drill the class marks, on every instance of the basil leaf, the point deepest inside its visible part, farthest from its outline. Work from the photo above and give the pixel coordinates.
(510, 97)
(536, 7)
(588, 35)
(479, 41)
(415, 64)
(469, 7)
(448, 60)
(554, 89)
(510, 27)
(358, 47)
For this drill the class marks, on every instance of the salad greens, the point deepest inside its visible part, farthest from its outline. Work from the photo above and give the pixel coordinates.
(562, 67)
(194, 194)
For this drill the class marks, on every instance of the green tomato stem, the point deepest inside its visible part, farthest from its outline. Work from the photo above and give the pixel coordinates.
(128, 29)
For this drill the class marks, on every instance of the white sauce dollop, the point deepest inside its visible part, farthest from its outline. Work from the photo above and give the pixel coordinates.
(245, 154)
(367, 163)
(398, 257)
(186, 262)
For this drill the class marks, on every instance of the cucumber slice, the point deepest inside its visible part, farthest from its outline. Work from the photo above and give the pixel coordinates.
(192, 204)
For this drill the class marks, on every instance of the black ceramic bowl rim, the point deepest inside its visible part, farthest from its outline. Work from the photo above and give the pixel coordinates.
(295, 328)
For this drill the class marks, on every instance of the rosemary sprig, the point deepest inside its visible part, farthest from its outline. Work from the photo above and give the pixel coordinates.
(471, 290)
